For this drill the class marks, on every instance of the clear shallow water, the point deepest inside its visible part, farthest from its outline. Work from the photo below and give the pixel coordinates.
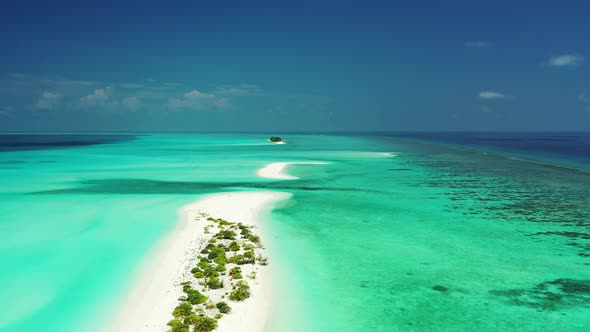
(434, 238)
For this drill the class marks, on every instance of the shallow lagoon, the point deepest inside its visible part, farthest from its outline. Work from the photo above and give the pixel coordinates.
(433, 238)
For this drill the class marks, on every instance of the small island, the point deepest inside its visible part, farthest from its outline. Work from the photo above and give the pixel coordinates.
(276, 139)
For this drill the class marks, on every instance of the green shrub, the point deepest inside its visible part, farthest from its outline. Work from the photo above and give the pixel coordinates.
(207, 248)
(225, 222)
(262, 260)
(182, 310)
(241, 291)
(195, 297)
(254, 238)
(191, 319)
(244, 231)
(218, 316)
(249, 254)
(186, 285)
(174, 322)
(235, 273)
(210, 273)
(199, 274)
(204, 265)
(195, 270)
(220, 267)
(241, 260)
(220, 260)
(177, 326)
(205, 324)
(220, 221)
(242, 284)
(227, 234)
(216, 252)
(210, 306)
(223, 307)
(234, 259)
(252, 275)
(213, 240)
(234, 246)
(215, 283)
(248, 246)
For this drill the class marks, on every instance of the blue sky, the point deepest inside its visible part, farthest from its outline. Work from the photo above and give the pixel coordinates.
(299, 65)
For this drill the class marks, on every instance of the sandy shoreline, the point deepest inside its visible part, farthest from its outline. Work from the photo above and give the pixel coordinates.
(155, 291)
(156, 288)
(278, 170)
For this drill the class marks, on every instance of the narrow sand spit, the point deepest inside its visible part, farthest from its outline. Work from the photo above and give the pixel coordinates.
(277, 170)
(155, 291)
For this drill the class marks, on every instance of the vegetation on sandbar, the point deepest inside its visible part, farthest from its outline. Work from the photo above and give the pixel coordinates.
(217, 275)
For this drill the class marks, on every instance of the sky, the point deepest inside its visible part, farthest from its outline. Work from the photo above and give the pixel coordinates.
(206, 66)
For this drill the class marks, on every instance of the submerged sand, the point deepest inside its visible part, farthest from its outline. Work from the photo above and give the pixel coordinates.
(278, 170)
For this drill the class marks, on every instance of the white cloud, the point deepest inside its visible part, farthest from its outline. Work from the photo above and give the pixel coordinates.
(491, 95)
(232, 91)
(195, 100)
(222, 103)
(108, 100)
(241, 90)
(98, 97)
(566, 60)
(131, 103)
(48, 100)
(476, 44)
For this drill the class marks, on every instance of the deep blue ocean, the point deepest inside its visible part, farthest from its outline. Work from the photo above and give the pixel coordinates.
(563, 149)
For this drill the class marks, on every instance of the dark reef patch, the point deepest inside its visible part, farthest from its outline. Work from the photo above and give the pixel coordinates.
(440, 288)
(18, 142)
(499, 189)
(550, 295)
(574, 235)
(147, 187)
(12, 162)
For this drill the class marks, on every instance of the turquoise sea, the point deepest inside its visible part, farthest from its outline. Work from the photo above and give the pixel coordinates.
(396, 233)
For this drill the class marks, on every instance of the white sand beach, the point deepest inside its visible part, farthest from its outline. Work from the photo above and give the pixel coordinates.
(278, 170)
(155, 291)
